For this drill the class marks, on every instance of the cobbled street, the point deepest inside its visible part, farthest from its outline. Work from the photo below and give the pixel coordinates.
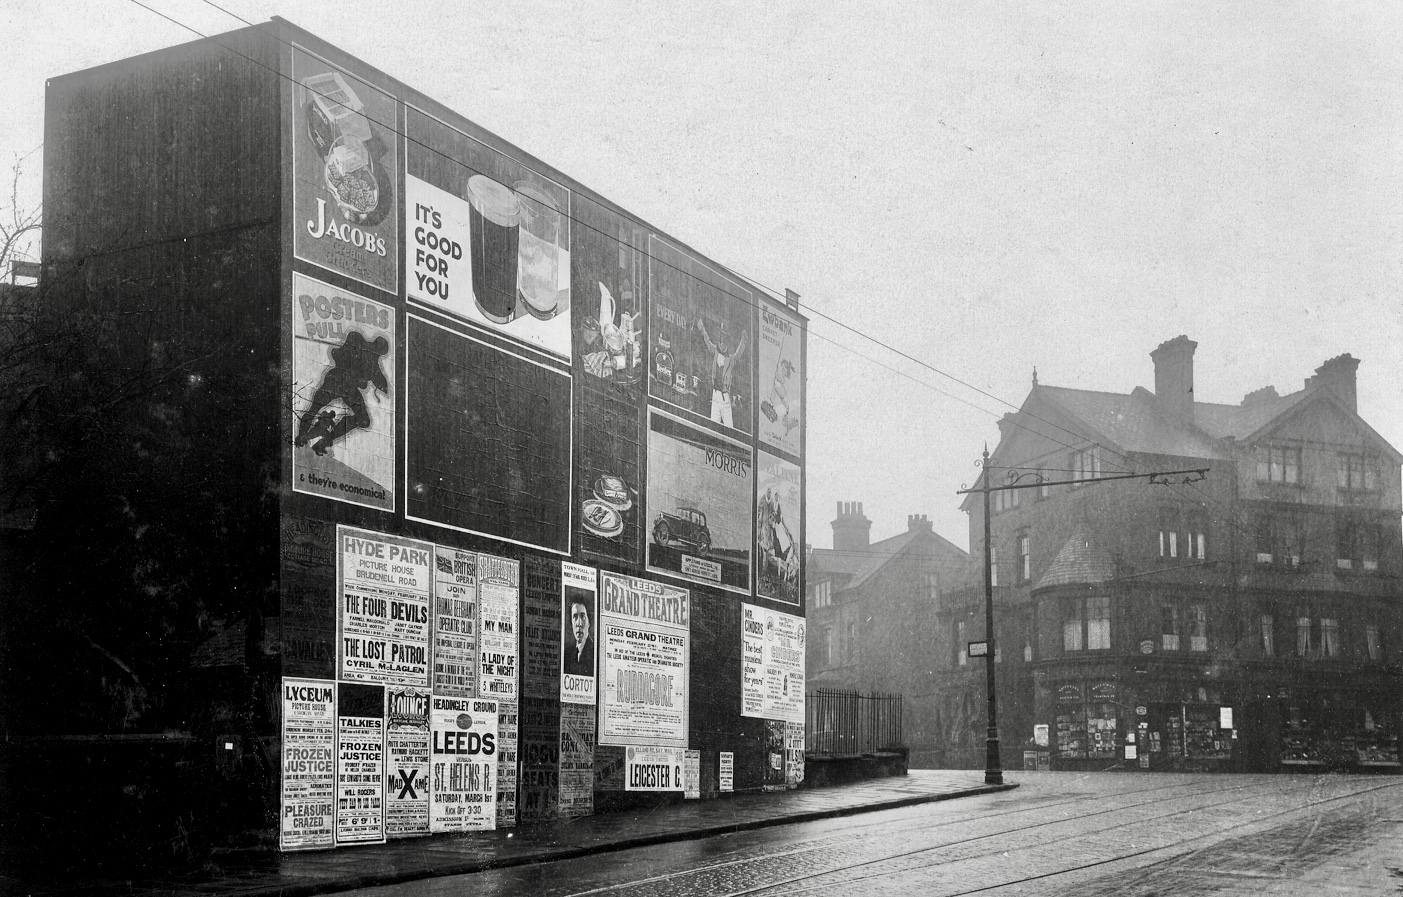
(1057, 834)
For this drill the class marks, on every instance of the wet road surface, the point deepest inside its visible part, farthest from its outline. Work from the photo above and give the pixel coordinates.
(1057, 834)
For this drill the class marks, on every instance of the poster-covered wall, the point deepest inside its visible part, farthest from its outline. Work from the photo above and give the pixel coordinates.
(773, 657)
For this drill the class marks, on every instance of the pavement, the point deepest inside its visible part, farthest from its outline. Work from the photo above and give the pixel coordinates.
(331, 871)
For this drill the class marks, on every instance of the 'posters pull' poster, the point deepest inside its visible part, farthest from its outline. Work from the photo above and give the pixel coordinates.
(577, 641)
(343, 397)
(463, 760)
(309, 764)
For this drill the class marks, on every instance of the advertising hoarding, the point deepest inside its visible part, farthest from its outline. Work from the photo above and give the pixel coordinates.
(700, 504)
(644, 656)
(779, 546)
(577, 728)
(463, 758)
(700, 331)
(780, 379)
(406, 762)
(578, 638)
(488, 239)
(345, 172)
(772, 658)
(455, 622)
(653, 768)
(498, 588)
(384, 584)
(343, 397)
(308, 802)
(487, 440)
(360, 763)
(507, 742)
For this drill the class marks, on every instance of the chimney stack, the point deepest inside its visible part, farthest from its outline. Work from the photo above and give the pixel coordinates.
(851, 530)
(915, 522)
(1174, 378)
(1338, 376)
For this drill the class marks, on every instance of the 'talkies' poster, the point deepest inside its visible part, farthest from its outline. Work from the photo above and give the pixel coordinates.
(360, 764)
(343, 397)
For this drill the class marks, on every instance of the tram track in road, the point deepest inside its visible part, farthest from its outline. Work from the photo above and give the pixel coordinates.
(838, 878)
(855, 836)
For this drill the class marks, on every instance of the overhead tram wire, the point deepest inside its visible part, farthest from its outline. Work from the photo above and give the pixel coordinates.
(1226, 518)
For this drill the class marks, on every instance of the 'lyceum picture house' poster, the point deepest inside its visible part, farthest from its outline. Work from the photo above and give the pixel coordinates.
(343, 397)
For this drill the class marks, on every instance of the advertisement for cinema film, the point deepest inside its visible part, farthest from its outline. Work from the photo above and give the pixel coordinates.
(345, 169)
(308, 805)
(343, 398)
(700, 504)
(384, 586)
(645, 652)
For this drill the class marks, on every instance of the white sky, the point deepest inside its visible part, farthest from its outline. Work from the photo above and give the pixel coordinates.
(986, 186)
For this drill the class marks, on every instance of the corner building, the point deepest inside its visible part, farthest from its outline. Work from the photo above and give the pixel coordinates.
(431, 491)
(1250, 621)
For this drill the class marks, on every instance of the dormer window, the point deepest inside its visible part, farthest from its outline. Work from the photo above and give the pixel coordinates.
(1278, 464)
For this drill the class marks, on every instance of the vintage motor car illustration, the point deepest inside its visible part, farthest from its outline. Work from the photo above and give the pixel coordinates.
(685, 528)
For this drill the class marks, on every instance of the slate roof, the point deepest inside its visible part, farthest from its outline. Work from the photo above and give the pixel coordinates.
(1079, 561)
(863, 564)
(1134, 423)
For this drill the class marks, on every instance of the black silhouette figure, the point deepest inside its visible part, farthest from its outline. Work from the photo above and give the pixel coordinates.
(355, 365)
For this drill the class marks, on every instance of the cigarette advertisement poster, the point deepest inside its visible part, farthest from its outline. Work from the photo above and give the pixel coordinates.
(700, 504)
(498, 585)
(644, 657)
(487, 438)
(726, 771)
(488, 239)
(793, 755)
(608, 451)
(577, 639)
(541, 625)
(407, 762)
(343, 397)
(455, 622)
(345, 167)
(699, 338)
(360, 763)
(780, 379)
(308, 810)
(384, 584)
(778, 543)
(653, 768)
(576, 760)
(507, 712)
(691, 775)
(539, 794)
(772, 654)
(463, 759)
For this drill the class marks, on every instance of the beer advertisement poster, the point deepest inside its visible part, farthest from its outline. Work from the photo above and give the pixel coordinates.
(610, 278)
(488, 238)
(700, 332)
(779, 544)
(507, 741)
(308, 804)
(498, 585)
(463, 761)
(407, 762)
(644, 656)
(576, 760)
(780, 379)
(701, 505)
(578, 638)
(343, 397)
(345, 141)
(384, 584)
(455, 622)
(653, 768)
(360, 763)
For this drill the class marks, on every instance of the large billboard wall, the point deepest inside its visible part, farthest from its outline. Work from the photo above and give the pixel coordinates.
(542, 463)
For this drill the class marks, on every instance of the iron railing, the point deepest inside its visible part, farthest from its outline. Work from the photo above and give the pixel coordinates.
(845, 723)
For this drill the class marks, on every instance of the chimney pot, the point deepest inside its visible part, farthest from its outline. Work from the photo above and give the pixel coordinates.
(851, 530)
(1338, 375)
(1174, 378)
